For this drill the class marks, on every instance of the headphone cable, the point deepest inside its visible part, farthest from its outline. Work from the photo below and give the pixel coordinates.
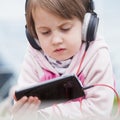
(117, 96)
(84, 54)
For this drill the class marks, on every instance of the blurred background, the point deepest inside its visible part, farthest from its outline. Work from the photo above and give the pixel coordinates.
(13, 40)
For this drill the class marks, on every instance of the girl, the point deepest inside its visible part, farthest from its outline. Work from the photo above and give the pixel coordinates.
(62, 36)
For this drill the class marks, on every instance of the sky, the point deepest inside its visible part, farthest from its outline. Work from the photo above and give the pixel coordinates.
(12, 9)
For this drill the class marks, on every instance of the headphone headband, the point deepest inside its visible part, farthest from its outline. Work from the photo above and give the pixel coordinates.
(26, 4)
(91, 6)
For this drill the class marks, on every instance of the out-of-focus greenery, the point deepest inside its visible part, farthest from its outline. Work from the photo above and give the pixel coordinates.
(116, 108)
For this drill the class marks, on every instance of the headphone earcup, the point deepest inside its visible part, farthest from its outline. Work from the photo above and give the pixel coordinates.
(90, 26)
(31, 40)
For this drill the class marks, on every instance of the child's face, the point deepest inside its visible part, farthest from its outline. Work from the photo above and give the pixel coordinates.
(59, 38)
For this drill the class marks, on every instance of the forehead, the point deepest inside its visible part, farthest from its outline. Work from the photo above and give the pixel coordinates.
(43, 18)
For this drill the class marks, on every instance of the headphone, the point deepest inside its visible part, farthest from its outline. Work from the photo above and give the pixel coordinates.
(89, 30)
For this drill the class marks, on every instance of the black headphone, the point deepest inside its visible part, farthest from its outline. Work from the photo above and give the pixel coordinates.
(89, 31)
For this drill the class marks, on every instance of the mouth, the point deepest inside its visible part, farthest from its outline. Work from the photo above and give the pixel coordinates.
(59, 50)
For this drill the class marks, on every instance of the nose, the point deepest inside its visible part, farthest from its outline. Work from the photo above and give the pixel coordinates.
(57, 38)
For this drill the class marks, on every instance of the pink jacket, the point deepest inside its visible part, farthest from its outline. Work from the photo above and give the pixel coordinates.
(96, 68)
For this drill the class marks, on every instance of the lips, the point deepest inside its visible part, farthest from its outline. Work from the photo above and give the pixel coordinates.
(60, 50)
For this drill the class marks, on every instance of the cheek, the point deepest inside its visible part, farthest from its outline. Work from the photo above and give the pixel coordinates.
(76, 38)
(44, 46)
(42, 43)
(76, 45)
(76, 41)
(76, 33)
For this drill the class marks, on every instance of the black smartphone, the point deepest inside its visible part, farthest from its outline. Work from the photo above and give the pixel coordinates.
(54, 91)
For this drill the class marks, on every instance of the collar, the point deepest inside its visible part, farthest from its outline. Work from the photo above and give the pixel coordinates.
(60, 66)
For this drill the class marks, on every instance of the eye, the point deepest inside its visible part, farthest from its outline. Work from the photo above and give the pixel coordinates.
(65, 29)
(45, 33)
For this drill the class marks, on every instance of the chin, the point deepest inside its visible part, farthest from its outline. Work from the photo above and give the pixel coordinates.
(63, 59)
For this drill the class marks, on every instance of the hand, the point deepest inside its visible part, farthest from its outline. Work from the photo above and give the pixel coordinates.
(26, 108)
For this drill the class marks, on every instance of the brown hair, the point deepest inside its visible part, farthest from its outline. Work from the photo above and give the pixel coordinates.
(63, 8)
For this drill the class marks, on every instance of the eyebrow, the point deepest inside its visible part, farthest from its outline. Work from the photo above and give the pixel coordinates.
(59, 25)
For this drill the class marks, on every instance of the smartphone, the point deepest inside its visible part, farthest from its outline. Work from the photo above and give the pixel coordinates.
(54, 91)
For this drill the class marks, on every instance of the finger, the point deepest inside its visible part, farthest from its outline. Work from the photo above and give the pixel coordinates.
(32, 101)
(37, 101)
(33, 107)
(24, 110)
(19, 104)
(29, 107)
(35, 104)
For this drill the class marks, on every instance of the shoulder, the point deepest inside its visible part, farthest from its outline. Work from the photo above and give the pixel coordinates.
(31, 65)
(97, 64)
(98, 47)
(31, 51)
(33, 55)
(33, 68)
(97, 44)
(97, 56)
